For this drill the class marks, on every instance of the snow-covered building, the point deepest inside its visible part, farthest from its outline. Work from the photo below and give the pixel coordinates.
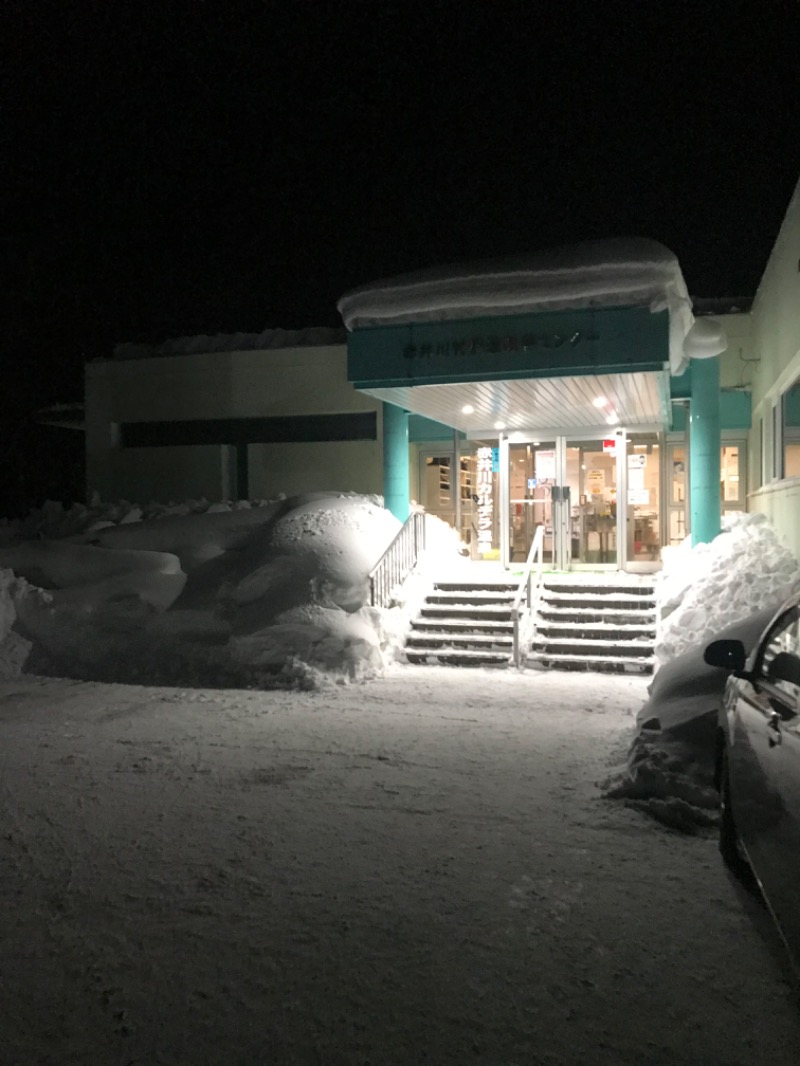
(580, 389)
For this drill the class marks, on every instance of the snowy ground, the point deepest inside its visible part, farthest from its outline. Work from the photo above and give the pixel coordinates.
(414, 869)
(372, 863)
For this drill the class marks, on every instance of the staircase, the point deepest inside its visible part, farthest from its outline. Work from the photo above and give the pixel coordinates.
(604, 622)
(464, 623)
(596, 622)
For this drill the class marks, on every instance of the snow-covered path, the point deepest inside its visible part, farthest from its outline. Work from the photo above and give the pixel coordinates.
(417, 869)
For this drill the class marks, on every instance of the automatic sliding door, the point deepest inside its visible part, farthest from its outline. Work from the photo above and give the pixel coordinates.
(644, 502)
(532, 479)
(591, 474)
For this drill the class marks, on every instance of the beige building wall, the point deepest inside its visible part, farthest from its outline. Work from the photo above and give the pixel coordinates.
(316, 466)
(255, 384)
(776, 344)
(736, 363)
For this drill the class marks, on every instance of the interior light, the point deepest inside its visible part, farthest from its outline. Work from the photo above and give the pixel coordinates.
(467, 409)
(536, 443)
(599, 401)
(612, 419)
(499, 425)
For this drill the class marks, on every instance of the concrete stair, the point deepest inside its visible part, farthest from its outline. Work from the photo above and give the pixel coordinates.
(464, 623)
(596, 623)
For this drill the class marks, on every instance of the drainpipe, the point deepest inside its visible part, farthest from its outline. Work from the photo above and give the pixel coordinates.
(705, 441)
(395, 461)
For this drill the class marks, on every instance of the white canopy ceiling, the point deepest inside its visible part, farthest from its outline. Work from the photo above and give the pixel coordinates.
(563, 404)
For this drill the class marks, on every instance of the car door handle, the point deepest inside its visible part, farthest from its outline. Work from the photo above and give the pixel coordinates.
(774, 724)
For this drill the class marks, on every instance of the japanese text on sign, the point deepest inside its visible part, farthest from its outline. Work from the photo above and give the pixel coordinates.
(485, 503)
(492, 344)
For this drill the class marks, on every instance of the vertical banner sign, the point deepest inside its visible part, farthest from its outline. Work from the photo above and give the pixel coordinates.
(484, 500)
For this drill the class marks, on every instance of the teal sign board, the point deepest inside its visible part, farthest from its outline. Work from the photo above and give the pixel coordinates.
(541, 344)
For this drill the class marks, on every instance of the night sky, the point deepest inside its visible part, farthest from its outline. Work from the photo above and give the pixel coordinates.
(175, 168)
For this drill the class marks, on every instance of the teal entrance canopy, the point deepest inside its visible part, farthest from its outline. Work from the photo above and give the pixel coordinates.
(543, 368)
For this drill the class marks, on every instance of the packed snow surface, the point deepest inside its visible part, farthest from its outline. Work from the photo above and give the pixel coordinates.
(418, 868)
(371, 862)
(635, 272)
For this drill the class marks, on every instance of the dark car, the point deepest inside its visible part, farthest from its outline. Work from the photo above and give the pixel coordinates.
(758, 765)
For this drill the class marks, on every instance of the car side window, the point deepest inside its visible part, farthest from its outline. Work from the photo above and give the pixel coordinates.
(779, 661)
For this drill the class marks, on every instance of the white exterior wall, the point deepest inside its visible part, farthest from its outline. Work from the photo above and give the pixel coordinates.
(271, 383)
(776, 342)
(736, 363)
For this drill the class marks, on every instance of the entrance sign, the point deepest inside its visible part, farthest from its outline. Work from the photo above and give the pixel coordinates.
(485, 500)
(535, 344)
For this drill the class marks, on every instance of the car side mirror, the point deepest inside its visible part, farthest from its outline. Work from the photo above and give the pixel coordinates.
(727, 655)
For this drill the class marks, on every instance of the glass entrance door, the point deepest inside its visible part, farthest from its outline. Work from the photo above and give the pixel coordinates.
(590, 468)
(643, 519)
(568, 486)
(534, 500)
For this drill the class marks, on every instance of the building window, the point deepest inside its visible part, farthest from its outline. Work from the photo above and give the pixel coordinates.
(790, 432)
(730, 477)
(776, 471)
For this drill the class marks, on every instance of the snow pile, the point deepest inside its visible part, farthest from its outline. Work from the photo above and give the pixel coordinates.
(14, 649)
(232, 596)
(669, 770)
(704, 589)
(268, 339)
(730, 588)
(53, 520)
(634, 272)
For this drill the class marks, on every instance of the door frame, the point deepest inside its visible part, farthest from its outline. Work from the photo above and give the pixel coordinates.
(562, 549)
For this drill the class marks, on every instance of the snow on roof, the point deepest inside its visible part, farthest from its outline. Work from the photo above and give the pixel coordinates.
(632, 272)
(313, 336)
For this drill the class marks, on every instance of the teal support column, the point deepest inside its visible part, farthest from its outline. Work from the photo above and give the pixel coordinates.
(395, 461)
(704, 451)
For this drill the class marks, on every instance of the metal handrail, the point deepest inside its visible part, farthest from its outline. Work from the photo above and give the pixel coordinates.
(526, 590)
(397, 561)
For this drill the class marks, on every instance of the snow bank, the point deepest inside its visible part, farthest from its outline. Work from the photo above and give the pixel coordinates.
(231, 595)
(84, 523)
(704, 589)
(729, 588)
(77, 572)
(608, 273)
(14, 648)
